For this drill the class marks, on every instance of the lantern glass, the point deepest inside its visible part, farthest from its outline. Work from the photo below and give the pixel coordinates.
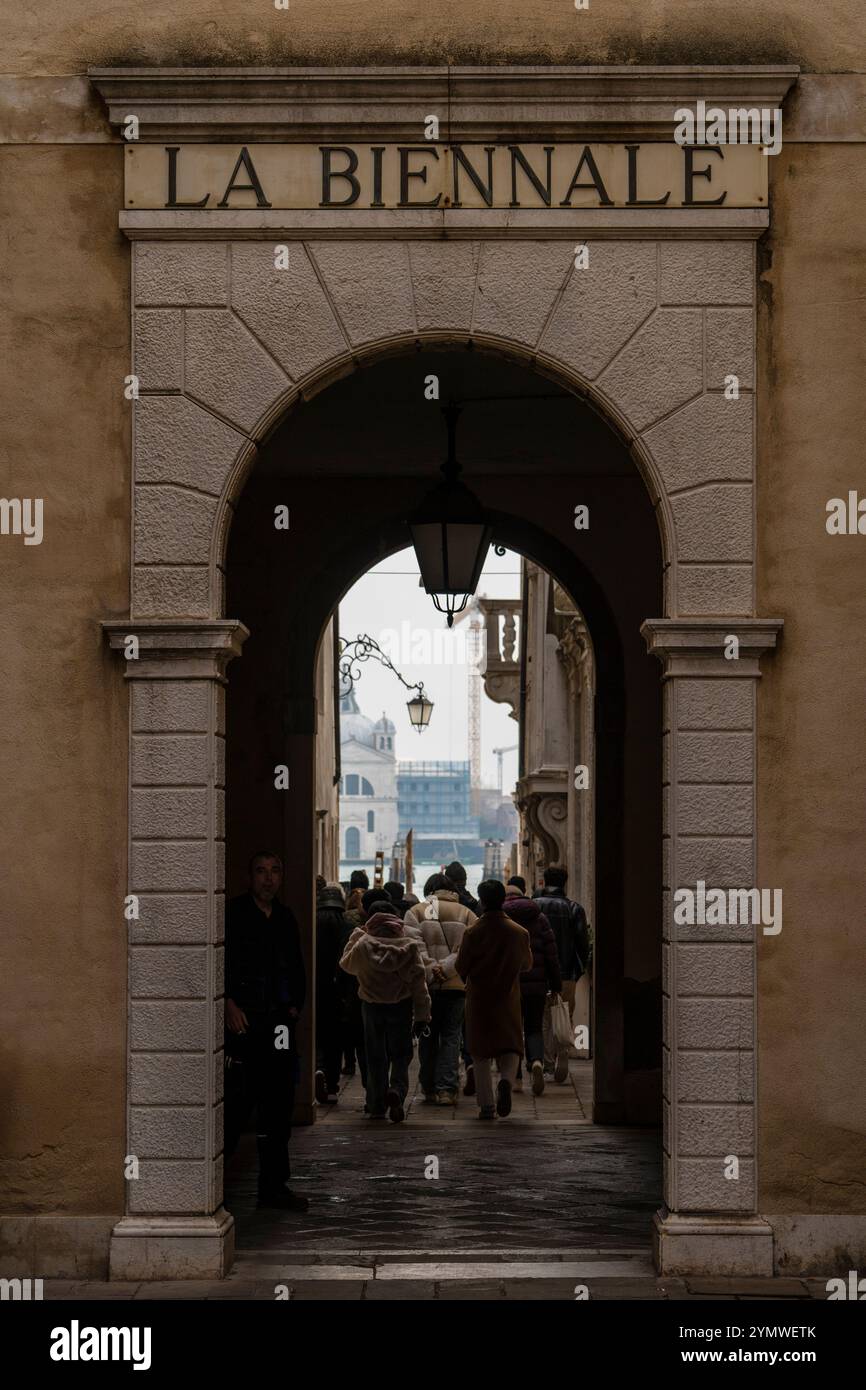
(420, 709)
(450, 554)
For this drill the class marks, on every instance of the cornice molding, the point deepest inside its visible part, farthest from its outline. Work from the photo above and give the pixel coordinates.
(696, 646)
(177, 649)
(391, 103)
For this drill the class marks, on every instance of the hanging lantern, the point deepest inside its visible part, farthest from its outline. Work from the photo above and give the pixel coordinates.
(420, 710)
(451, 534)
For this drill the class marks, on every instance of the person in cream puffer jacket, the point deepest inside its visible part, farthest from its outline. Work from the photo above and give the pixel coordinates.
(390, 969)
(439, 922)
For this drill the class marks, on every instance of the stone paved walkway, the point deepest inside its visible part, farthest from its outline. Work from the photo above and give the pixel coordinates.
(524, 1208)
(544, 1177)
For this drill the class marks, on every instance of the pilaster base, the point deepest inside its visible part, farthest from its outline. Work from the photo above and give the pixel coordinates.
(734, 1245)
(173, 1247)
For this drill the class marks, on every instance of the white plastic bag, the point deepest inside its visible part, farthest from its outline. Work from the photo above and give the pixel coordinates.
(560, 1022)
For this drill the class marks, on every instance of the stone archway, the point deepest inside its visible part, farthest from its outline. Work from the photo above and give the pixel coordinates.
(223, 342)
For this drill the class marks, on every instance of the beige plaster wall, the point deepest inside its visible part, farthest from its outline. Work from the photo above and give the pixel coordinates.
(64, 429)
(812, 750)
(64, 437)
(62, 36)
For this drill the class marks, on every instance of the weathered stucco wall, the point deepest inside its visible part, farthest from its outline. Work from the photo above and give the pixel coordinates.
(812, 753)
(62, 36)
(64, 436)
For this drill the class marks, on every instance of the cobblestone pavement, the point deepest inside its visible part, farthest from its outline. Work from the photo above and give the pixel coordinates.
(524, 1208)
(543, 1177)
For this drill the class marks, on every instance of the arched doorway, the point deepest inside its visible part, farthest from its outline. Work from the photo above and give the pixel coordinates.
(342, 461)
(654, 388)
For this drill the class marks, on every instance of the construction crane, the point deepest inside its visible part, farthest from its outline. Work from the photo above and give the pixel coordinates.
(499, 755)
(475, 618)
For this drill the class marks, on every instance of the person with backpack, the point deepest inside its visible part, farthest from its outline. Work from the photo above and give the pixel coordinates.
(568, 920)
(389, 966)
(543, 975)
(439, 922)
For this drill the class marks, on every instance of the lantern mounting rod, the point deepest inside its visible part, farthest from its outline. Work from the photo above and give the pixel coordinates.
(451, 468)
(362, 648)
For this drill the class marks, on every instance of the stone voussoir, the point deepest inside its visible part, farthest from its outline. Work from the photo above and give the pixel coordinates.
(602, 306)
(370, 285)
(226, 369)
(658, 370)
(287, 309)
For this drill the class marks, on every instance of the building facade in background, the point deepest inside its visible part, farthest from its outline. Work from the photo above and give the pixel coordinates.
(435, 798)
(368, 786)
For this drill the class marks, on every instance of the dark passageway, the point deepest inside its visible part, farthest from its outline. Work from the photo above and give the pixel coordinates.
(558, 1176)
(544, 1180)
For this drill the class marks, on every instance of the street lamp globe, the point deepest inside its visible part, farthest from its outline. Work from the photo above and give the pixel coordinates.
(420, 709)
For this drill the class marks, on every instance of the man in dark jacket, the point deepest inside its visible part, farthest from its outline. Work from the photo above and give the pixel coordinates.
(457, 875)
(397, 893)
(332, 932)
(568, 921)
(265, 992)
(534, 983)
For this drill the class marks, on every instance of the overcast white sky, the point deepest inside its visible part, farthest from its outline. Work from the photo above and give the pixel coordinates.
(388, 604)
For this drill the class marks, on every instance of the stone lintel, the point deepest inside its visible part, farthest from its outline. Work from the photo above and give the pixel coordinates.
(695, 646)
(338, 224)
(189, 649)
(172, 1247)
(475, 104)
(702, 1245)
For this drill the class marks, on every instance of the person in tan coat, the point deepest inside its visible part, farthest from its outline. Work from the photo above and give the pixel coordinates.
(494, 953)
(440, 922)
(391, 984)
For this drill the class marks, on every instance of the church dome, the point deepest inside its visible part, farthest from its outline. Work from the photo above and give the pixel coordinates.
(354, 724)
(385, 725)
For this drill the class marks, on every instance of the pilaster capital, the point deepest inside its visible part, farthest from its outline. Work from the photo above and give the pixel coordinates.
(703, 646)
(178, 649)
(574, 652)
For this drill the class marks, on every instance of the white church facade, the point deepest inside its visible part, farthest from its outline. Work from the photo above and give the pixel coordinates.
(368, 784)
